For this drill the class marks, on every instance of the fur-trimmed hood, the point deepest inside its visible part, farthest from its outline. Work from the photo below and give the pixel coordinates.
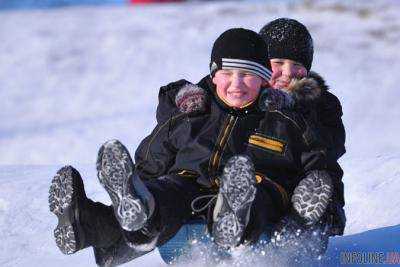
(300, 92)
(305, 90)
(318, 78)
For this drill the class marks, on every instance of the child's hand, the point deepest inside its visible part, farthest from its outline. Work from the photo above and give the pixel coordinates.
(191, 98)
(275, 99)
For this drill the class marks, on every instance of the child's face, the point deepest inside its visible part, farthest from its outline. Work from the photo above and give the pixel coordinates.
(237, 88)
(284, 70)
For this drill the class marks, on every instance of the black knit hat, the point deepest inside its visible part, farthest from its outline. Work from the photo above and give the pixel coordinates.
(240, 49)
(289, 39)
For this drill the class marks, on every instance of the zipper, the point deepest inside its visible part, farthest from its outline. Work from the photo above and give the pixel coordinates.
(219, 148)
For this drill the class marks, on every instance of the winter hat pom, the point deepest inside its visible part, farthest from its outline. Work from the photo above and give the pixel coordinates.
(240, 49)
(288, 39)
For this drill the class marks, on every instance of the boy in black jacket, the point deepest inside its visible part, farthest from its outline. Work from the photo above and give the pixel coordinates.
(225, 137)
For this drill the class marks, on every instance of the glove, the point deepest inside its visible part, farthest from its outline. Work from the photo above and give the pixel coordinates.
(275, 99)
(191, 98)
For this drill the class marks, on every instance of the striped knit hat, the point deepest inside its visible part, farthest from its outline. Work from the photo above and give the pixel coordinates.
(240, 49)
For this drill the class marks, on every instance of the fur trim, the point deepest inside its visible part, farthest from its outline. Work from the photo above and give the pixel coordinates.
(305, 90)
(191, 98)
(299, 93)
(318, 78)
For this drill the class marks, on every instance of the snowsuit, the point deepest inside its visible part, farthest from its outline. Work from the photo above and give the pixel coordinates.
(187, 150)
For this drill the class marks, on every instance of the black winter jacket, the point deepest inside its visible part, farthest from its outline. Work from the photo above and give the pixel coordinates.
(329, 119)
(196, 143)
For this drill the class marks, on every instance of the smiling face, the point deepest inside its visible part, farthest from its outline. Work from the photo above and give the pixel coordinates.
(237, 88)
(284, 70)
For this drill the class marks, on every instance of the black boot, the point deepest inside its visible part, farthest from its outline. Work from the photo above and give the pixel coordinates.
(66, 197)
(116, 255)
(81, 222)
(133, 204)
(236, 194)
(101, 228)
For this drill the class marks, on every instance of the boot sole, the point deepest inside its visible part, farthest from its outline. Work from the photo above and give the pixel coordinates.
(237, 193)
(114, 169)
(311, 197)
(60, 201)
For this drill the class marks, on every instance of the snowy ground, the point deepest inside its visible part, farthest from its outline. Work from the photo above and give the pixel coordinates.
(72, 78)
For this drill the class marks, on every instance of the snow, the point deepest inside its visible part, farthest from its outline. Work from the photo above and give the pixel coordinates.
(72, 78)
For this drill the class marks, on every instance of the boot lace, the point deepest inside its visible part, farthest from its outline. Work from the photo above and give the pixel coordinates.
(195, 208)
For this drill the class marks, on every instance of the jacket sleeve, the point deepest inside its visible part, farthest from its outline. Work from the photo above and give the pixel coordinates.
(318, 155)
(167, 108)
(324, 128)
(329, 116)
(156, 153)
(312, 150)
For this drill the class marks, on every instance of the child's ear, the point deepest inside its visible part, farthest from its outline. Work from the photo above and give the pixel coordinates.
(214, 80)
